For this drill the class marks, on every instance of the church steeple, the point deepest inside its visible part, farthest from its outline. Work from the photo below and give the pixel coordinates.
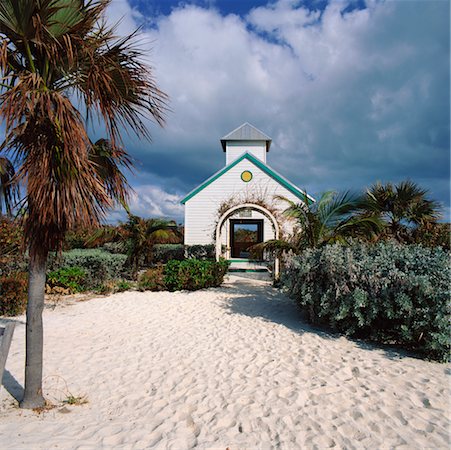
(245, 139)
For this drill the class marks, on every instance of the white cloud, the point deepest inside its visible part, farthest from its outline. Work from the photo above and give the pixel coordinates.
(151, 201)
(348, 98)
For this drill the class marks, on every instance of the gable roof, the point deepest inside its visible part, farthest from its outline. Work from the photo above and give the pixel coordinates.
(246, 132)
(261, 165)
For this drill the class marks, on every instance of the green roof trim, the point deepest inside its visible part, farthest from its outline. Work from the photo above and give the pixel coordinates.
(261, 165)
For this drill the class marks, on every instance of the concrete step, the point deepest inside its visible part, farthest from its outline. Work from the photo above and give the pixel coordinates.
(243, 265)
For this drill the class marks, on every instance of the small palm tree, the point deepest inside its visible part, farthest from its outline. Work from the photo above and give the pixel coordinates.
(401, 207)
(139, 236)
(53, 52)
(143, 234)
(9, 191)
(333, 218)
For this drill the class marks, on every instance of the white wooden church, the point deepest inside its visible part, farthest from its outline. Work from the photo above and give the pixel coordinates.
(237, 206)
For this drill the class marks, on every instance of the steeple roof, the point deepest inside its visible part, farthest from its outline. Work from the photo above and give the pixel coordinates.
(246, 132)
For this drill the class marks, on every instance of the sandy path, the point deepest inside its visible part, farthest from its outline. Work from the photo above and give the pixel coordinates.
(229, 367)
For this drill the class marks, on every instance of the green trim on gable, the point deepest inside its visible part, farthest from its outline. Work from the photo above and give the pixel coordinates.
(261, 165)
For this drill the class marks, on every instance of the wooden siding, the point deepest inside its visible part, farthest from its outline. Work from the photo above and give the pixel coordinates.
(201, 211)
(237, 148)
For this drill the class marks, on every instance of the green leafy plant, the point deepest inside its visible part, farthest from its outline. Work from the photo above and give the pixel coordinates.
(193, 274)
(74, 400)
(123, 285)
(386, 292)
(13, 294)
(70, 278)
(189, 274)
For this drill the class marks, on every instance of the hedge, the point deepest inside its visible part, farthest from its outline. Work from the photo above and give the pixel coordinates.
(389, 293)
(190, 274)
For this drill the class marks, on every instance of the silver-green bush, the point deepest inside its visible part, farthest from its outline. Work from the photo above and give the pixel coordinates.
(388, 293)
(99, 265)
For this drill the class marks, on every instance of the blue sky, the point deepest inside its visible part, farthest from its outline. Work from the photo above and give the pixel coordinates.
(350, 92)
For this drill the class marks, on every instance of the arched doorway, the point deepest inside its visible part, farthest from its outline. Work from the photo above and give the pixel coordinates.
(240, 218)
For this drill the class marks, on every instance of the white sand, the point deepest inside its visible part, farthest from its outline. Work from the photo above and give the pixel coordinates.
(231, 367)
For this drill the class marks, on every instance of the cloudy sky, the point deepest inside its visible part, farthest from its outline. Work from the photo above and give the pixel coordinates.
(351, 92)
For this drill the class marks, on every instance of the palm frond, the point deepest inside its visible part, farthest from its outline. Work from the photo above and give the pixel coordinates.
(108, 162)
(276, 246)
(50, 49)
(9, 190)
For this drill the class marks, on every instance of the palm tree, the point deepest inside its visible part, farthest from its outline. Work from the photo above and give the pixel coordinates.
(333, 218)
(402, 207)
(139, 236)
(143, 234)
(9, 191)
(56, 57)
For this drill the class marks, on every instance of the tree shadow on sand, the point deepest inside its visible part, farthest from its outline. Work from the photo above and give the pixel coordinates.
(262, 300)
(12, 385)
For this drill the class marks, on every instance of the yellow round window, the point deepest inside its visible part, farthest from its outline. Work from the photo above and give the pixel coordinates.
(246, 176)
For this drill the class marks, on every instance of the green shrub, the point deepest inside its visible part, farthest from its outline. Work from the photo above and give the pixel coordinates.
(388, 293)
(201, 251)
(99, 266)
(162, 253)
(13, 294)
(190, 274)
(70, 278)
(193, 274)
(123, 285)
(152, 280)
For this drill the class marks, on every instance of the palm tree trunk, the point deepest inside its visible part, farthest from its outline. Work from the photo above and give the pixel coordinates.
(33, 397)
